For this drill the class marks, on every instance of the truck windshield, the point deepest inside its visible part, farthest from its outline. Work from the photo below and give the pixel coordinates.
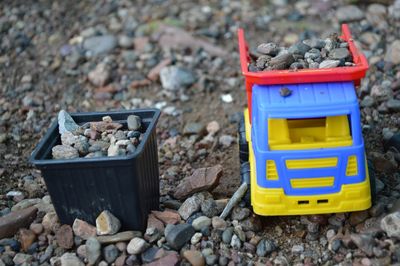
(309, 133)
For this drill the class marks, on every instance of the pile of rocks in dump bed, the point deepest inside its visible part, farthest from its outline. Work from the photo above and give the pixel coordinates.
(310, 53)
(96, 139)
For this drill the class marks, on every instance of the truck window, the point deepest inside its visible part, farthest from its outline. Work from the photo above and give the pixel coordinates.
(309, 133)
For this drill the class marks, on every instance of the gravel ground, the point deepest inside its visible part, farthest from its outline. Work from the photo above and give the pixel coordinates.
(182, 57)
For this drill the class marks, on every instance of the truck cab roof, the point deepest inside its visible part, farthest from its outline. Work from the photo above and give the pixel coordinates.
(308, 99)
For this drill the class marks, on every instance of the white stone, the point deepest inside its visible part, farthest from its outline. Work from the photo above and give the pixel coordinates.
(227, 98)
(136, 246)
(196, 238)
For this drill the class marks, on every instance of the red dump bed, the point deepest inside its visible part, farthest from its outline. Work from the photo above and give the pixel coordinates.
(275, 77)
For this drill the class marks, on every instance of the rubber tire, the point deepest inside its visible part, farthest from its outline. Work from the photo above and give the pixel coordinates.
(372, 181)
(243, 144)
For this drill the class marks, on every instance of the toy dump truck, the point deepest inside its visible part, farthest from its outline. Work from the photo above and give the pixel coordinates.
(304, 153)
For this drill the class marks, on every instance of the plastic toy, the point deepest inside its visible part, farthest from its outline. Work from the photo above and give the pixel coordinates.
(304, 153)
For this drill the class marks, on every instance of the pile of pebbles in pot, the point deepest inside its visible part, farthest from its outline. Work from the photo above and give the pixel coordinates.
(308, 54)
(97, 139)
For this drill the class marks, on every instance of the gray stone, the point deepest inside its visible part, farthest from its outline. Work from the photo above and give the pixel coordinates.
(93, 250)
(349, 13)
(134, 122)
(211, 259)
(174, 78)
(66, 123)
(393, 105)
(282, 61)
(298, 65)
(379, 185)
(315, 43)
(70, 259)
(150, 254)
(22, 259)
(227, 235)
(125, 41)
(299, 48)
(110, 253)
(394, 10)
(64, 152)
(235, 242)
(82, 145)
(100, 44)
(393, 53)
(239, 213)
(193, 128)
(239, 232)
(179, 235)
(168, 228)
(391, 224)
(226, 140)
(223, 260)
(313, 54)
(365, 242)
(265, 247)
(339, 54)
(137, 245)
(209, 208)
(329, 63)
(25, 203)
(297, 249)
(262, 61)
(201, 222)
(368, 101)
(335, 245)
(189, 206)
(47, 254)
(268, 49)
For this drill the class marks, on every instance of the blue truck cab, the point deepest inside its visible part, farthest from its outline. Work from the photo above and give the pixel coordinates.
(305, 150)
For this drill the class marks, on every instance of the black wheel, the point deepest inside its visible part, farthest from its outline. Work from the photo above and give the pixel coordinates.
(372, 181)
(243, 144)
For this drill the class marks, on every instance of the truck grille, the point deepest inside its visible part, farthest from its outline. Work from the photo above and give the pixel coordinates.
(312, 182)
(312, 163)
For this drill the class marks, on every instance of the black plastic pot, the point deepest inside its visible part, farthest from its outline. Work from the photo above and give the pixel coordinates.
(127, 186)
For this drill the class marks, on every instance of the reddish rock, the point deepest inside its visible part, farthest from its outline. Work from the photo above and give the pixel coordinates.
(100, 75)
(36, 228)
(65, 237)
(358, 217)
(26, 237)
(168, 216)
(120, 261)
(154, 73)
(173, 37)
(83, 229)
(104, 126)
(153, 222)
(139, 83)
(140, 43)
(12, 222)
(169, 260)
(202, 179)
(194, 257)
